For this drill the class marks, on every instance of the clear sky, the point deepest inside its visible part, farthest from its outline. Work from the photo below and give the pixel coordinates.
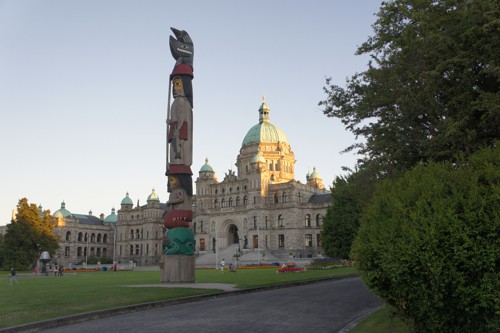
(84, 86)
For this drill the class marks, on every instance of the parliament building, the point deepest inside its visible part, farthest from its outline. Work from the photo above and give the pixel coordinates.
(260, 206)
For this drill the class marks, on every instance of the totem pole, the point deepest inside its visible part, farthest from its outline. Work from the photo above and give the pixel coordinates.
(179, 244)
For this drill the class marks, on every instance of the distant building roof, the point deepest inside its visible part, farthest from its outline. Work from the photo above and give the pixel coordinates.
(87, 219)
(321, 198)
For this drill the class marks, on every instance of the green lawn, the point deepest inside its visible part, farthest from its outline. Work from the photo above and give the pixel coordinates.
(43, 298)
(381, 321)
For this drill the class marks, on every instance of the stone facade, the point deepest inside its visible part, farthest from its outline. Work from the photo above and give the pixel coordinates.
(262, 206)
(82, 237)
(140, 231)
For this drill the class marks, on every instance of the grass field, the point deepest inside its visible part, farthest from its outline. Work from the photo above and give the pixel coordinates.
(381, 321)
(40, 298)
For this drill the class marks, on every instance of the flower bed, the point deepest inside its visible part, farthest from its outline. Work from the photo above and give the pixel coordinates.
(287, 269)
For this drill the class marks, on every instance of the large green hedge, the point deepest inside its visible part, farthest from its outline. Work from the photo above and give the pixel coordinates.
(428, 245)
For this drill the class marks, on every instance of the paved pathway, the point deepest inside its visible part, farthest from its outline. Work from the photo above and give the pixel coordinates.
(221, 286)
(327, 306)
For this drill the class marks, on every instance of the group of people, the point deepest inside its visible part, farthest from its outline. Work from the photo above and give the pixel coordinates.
(57, 269)
(223, 265)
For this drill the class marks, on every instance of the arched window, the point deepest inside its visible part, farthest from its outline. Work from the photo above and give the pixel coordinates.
(92, 238)
(216, 203)
(80, 236)
(237, 201)
(276, 198)
(132, 234)
(68, 235)
(299, 197)
(280, 220)
(223, 202)
(99, 238)
(105, 238)
(230, 202)
(283, 197)
(307, 222)
(137, 234)
(245, 200)
(319, 219)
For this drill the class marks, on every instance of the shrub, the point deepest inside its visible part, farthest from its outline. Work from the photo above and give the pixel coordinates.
(328, 263)
(428, 245)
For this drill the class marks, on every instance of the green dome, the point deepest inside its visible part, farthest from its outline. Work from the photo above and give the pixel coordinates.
(258, 158)
(314, 174)
(112, 218)
(264, 131)
(153, 196)
(206, 167)
(63, 212)
(127, 200)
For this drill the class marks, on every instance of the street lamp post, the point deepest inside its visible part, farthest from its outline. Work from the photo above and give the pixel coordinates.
(216, 248)
(114, 247)
(258, 241)
(86, 249)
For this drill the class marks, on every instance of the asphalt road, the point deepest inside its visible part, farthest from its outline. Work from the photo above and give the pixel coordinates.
(329, 306)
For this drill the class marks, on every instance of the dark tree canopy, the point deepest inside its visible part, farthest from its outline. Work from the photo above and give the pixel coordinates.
(349, 196)
(27, 235)
(425, 109)
(431, 88)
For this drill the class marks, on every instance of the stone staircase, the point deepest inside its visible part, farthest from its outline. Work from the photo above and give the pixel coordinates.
(248, 257)
(213, 259)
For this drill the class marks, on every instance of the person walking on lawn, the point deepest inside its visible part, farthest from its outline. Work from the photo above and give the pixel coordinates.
(13, 276)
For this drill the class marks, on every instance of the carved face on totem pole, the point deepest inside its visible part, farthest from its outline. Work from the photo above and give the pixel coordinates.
(178, 88)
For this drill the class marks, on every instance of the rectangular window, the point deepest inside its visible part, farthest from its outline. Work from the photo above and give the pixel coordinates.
(202, 244)
(131, 250)
(66, 251)
(281, 240)
(318, 240)
(309, 240)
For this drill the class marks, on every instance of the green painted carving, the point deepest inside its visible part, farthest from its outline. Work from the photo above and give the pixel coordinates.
(179, 241)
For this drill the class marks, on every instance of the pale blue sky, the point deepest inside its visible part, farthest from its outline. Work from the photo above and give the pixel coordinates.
(83, 90)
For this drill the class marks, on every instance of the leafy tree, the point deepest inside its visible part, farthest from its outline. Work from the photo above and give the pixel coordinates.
(428, 245)
(27, 235)
(349, 196)
(431, 87)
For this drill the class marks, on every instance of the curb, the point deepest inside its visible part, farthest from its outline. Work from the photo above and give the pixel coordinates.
(78, 318)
